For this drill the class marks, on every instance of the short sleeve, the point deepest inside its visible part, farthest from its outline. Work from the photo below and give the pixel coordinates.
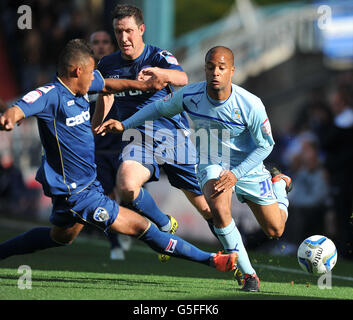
(98, 83)
(259, 125)
(35, 102)
(165, 59)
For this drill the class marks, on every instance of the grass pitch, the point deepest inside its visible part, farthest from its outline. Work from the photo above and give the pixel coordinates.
(83, 271)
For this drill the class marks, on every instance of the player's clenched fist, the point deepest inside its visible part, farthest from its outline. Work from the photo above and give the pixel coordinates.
(110, 125)
(10, 118)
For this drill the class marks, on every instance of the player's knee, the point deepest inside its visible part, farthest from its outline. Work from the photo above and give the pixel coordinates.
(64, 238)
(274, 232)
(205, 212)
(128, 191)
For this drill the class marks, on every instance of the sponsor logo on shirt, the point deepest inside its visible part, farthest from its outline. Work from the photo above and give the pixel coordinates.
(169, 57)
(80, 118)
(32, 96)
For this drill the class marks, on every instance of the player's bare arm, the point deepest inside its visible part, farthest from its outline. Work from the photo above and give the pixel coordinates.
(10, 118)
(170, 76)
(117, 85)
(105, 100)
(103, 105)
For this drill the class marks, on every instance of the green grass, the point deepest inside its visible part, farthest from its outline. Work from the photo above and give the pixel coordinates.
(83, 271)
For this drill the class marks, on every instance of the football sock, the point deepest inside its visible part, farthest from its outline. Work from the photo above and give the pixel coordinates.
(231, 240)
(28, 242)
(113, 239)
(171, 244)
(279, 189)
(145, 205)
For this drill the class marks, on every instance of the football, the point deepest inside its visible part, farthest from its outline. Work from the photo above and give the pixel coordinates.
(317, 254)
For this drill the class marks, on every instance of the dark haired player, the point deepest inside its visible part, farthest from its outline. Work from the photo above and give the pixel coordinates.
(68, 173)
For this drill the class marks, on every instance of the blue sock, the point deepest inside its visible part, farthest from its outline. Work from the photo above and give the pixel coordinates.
(172, 245)
(145, 205)
(231, 240)
(28, 242)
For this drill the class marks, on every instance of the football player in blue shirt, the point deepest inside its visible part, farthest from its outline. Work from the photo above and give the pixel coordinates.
(136, 164)
(235, 137)
(68, 172)
(102, 45)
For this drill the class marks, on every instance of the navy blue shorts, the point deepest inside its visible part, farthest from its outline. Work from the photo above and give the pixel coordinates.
(180, 175)
(90, 206)
(107, 169)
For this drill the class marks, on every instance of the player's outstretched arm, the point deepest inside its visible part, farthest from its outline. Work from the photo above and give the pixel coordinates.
(10, 118)
(169, 76)
(117, 85)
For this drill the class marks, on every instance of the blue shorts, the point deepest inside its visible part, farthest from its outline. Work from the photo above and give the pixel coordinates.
(180, 175)
(107, 169)
(255, 186)
(90, 206)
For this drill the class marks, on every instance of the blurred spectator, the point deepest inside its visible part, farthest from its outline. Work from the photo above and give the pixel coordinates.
(338, 146)
(15, 197)
(3, 106)
(34, 53)
(309, 195)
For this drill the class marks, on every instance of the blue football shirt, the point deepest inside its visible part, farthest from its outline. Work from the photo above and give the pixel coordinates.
(65, 131)
(128, 102)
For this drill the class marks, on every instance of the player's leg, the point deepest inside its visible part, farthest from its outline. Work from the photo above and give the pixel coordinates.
(270, 217)
(39, 238)
(225, 227)
(131, 177)
(183, 177)
(131, 223)
(106, 172)
(200, 203)
(271, 203)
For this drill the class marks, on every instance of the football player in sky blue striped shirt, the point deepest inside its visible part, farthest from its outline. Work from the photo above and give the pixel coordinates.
(234, 137)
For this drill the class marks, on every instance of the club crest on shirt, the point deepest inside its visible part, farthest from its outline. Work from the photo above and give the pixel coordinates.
(101, 214)
(236, 114)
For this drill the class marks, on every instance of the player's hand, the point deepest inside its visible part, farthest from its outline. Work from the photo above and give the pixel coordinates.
(226, 181)
(155, 78)
(110, 125)
(6, 123)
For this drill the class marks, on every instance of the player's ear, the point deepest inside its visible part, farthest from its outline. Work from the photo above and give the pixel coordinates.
(78, 71)
(142, 29)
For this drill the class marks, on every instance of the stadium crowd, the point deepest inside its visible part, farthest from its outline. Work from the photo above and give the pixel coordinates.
(317, 151)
